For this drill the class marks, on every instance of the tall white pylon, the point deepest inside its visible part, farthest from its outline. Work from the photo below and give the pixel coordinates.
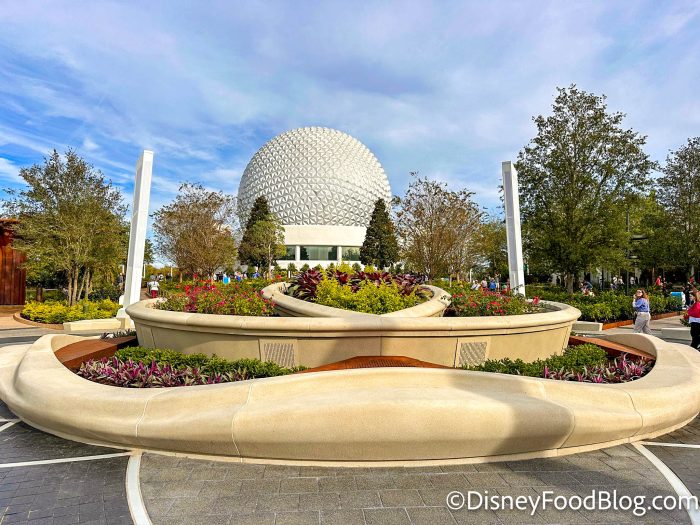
(515, 243)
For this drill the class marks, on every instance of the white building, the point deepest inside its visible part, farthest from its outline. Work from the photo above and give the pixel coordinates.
(322, 184)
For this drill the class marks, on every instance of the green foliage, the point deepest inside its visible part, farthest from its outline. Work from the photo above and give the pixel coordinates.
(206, 365)
(574, 358)
(57, 312)
(70, 223)
(369, 298)
(603, 307)
(476, 303)
(305, 267)
(380, 247)
(195, 230)
(437, 228)
(679, 188)
(236, 298)
(577, 178)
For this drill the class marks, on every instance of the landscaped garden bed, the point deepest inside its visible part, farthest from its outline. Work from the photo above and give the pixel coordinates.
(605, 307)
(138, 367)
(207, 297)
(585, 363)
(476, 303)
(58, 312)
(372, 292)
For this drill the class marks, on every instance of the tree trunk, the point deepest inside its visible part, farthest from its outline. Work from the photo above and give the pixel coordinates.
(569, 281)
(82, 286)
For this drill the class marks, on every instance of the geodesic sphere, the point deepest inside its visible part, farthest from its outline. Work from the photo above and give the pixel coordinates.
(314, 176)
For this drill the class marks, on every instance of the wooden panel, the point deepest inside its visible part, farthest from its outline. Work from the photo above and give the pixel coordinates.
(12, 277)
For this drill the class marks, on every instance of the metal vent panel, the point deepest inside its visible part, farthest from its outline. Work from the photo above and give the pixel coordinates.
(284, 352)
(471, 352)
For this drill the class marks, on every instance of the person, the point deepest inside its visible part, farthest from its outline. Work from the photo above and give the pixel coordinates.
(153, 288)
(658, 281)
(694, 319)
(492, 284)
(640, 303)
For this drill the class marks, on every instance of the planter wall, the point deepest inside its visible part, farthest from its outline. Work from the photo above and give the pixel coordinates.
(448, 341)
(289, 306)
(384, 415)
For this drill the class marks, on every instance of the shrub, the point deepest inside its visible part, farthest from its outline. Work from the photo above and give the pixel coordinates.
(475, 303)
(606, 306)
(368, 297)
(138, 367)
(207, 365)
(205, 297)
(585, 363)
(57, 312)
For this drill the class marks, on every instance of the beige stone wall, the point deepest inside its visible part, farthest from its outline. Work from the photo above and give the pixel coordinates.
(315, 341)
(386, 416)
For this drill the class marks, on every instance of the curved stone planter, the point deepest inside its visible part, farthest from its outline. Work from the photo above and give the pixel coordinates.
(359, 416)
(310, 341)
(289, 306)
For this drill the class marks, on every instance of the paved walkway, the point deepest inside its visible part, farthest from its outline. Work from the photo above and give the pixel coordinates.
(48, 480)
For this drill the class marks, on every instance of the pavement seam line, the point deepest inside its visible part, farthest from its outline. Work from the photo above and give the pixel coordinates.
(137, 507)
(62, 460)
(678, 486)
(8, 425)
(679, 445)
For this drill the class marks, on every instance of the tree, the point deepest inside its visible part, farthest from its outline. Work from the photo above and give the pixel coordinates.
(679, 189)
(195, 231)
(437, 228)
(576, 178)
(70, 222)
(492, 245)
(264, 242)
(380, 247)
(247, 250)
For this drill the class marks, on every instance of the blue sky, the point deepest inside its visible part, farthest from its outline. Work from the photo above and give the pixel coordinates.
(445, 88)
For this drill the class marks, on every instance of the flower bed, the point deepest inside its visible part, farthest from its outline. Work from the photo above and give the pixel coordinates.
(585, 363)
(605, 307)
(138, 367)
(476, 303)
(206, 297)
(57, 312)
(358, 291)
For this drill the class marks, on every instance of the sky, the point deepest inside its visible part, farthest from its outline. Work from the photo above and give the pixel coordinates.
(444, 88)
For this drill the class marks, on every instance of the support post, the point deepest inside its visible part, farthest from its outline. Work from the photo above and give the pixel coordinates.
(515, 245)
(137, 232)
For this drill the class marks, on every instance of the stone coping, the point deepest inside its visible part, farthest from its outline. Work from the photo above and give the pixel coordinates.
(291, 306)
(558, 314)
(359, 417)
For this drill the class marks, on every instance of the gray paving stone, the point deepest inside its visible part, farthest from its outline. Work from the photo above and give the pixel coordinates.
(430, 516)
(386, 517)
(297, 518)
(298, 485)
(343, 517)
(360, 499)
(400, 498)
(320, 501)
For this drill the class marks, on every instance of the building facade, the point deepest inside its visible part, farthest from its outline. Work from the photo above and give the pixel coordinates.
(322, 184)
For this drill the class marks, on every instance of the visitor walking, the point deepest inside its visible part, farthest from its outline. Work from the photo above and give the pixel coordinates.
(640, 303)
(694, 319)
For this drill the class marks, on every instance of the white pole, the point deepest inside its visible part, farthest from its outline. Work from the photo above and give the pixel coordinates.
(515, 245)
(137, 233)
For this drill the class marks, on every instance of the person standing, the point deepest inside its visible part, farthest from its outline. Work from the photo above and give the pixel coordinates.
(694, 319)
(640, 303)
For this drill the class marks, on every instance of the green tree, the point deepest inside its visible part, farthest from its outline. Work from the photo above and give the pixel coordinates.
(437, 228)
(380, 247)
(492, 245)
(679, 190)
(248, 252)
(265, 242)
(576, 178)
(71, 221)
(195, 231)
